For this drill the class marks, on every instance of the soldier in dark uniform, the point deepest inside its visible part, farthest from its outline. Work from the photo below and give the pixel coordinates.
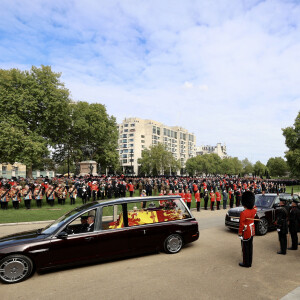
(294, 223)
(282, 226)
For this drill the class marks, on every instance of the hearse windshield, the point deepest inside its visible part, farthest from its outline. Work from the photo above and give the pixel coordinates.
(49, 229)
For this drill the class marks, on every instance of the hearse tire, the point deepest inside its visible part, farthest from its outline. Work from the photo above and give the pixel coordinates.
(262, 227)
(15, 268)
(173, 243)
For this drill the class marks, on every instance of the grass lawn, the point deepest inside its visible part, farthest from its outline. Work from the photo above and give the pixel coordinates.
(47, 212)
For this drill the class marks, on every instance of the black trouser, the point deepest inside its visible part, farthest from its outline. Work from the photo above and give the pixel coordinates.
(39, 202)
(212, 203)
(283, 241)
(231, 202)
(294, 238)
(224, 204)
(3, 205)
(205, 203)
(51, 202)
(247, 248)
(218, 205)
(94, 195)
(72, 200)
(27, 203)
(16, 204)
(188, 204)
(198, 206)
(131, 193)
(237, 201)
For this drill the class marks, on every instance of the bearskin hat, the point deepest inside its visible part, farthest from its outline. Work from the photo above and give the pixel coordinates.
(248, 199)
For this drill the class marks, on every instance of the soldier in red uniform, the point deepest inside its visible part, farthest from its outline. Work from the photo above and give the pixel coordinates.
(212, 199)
(197, 199)
(247, 228)
(231, 198)
(218, 198)
(188, 198)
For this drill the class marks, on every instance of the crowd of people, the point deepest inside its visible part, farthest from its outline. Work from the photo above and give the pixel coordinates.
(210, 190)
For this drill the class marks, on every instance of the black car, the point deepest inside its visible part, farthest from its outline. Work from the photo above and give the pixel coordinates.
(267, 209)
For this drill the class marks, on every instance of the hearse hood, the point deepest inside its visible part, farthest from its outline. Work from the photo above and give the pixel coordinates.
(21, 238)
(235, 212)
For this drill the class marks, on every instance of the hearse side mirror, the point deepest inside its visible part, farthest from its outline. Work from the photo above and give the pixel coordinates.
(62, 235)
(276, 205)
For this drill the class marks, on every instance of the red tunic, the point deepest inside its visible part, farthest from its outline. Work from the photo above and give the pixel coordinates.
(197, 197)
(218, 195)
(188, 197)
(246, 219)
(212, 197)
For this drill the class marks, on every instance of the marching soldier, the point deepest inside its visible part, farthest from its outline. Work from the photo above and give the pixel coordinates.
(247, 228)
(231, 197)
(205, 199)
(294, 223)
(4, 196)
(218, 198)
(188, 198)
(282, 226)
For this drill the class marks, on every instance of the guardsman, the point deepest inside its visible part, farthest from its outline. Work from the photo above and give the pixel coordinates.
(205, 199)
(282, 225)
(188, 198)
(294, 223)
(72, 194)
(218, 198)
(212, 199)
(130, 188)
(247, 228)
(238, 197)
(197, 199)
(231, 197)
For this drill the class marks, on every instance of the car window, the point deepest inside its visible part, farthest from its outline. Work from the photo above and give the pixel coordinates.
(83, 223)
(277, 201)
(112, 217)
(263, 200)
(148, 212)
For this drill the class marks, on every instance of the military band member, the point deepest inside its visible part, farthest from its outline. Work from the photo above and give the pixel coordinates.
(4, 196)
(27, 193)
(16, 196)
(247, 228)
(212, 199)
(282, 225)
(61, 194)
(38, 195)
(72, 194)
(50, 192)
(294, 223)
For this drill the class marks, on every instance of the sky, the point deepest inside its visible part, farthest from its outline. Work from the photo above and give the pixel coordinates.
(226, 70)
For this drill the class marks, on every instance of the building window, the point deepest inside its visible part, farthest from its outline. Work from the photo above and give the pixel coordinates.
(124, 141)
(124, 155)
(142, 136)
(130, 145)
(154, 130)
(130, 140)
(132, 125)
(125, 146)
(125, 130)
(132, 130)
(124, 161)
(125, 125)
(124, 135)
(142, 141)
(158, 131)
(131, 134)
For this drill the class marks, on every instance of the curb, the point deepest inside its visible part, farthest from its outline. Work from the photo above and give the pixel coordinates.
(26, 223)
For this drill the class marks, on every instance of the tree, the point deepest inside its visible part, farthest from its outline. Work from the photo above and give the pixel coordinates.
(277, 166)
(157, 160)
(292, 141)
(247, 166)
(34, 106)
(259, 168)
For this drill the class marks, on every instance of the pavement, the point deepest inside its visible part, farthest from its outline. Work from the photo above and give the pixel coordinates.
(205, 269)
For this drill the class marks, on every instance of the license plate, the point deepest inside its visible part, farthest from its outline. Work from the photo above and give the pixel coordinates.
(235, 220)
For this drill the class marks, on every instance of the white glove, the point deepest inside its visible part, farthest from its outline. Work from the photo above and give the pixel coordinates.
(240, 237)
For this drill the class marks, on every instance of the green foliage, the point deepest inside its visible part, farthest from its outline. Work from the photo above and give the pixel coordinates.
(277, 166)
(157, 160)
(207, 163)
(247, 167)
(259, 168)
(292, 141)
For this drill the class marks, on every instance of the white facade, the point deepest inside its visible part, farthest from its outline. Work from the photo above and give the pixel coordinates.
(136, 134)
(218, 149)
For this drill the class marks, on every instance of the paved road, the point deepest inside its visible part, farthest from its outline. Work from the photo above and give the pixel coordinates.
(206, 269)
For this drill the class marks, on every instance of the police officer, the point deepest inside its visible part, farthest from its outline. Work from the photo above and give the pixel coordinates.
(282, 226)
(294, 223)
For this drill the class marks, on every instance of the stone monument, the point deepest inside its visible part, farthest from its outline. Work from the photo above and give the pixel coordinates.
(88, 167)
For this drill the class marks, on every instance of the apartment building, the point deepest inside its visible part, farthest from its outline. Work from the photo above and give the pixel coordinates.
(218, 149)
(137, 134)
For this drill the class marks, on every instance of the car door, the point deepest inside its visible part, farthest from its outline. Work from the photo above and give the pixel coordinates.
(74, 247)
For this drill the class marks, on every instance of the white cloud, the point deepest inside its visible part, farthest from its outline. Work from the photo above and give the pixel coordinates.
(226, 70)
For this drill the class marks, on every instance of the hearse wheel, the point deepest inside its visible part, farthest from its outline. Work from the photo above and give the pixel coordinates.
(262, 227)
(173, 243)
(15, 268)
